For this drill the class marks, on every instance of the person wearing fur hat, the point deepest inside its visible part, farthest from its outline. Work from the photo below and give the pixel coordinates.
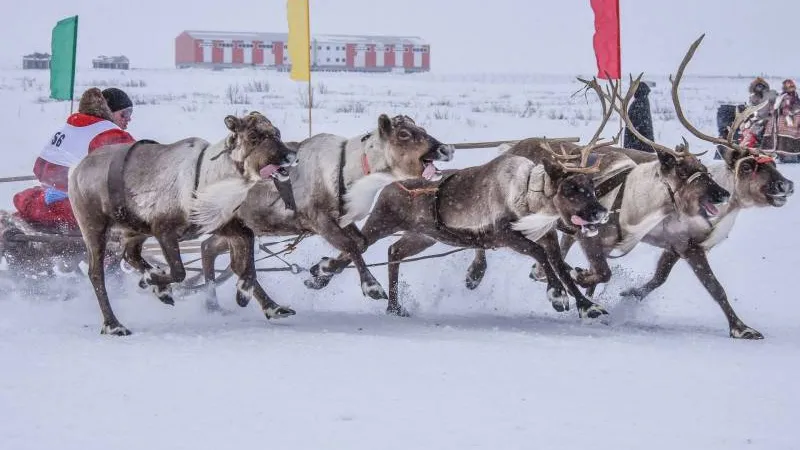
(753, 127)
(788, 103)
(101, 120)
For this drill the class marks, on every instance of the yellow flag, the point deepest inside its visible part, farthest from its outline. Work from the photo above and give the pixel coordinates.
(299, 39)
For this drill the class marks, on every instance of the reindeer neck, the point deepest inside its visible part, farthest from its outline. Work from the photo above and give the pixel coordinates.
(541, 190)
(727, 179)
(362, 157)
(216, 169)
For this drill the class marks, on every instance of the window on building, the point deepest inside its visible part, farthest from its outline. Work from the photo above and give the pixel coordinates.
(328, 47)
(329, 60)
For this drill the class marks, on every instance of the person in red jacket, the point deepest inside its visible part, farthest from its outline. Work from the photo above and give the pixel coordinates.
(101, 120)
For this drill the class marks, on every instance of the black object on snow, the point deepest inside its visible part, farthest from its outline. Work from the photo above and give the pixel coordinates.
(639, 113)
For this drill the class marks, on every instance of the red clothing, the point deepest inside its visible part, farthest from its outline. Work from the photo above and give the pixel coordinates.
(56, 175)
(32, 208)
(30, 202)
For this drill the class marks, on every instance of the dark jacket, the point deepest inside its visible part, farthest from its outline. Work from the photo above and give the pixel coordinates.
(639, 112)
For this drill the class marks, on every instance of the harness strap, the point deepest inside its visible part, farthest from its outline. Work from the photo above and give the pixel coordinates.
(342, 188)
(116, 184)
(197, 167)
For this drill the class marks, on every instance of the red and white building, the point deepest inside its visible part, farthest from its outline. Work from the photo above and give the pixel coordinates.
(328, 52)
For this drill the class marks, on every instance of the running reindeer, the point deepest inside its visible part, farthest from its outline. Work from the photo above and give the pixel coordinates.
(148, 189)
(749, 175)
(334, 186)
(510, 202)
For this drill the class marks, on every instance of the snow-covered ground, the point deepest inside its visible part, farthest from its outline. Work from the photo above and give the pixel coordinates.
(490, 368)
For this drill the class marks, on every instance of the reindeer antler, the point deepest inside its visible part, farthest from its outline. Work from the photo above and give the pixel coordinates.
(737, 121)
(593, 144)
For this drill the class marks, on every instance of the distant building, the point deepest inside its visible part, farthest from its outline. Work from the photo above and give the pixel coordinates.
(111, 62)
(36, 61)
(220, 49)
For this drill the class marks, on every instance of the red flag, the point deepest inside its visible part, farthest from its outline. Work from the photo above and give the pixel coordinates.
(606, 38)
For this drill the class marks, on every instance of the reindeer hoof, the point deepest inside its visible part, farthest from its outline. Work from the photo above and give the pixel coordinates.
(637, 293)
(592, 312)
(746, 332)
(475, 275)
(472, 283)
(373, 290)
(398, 311)
(115, 330)
(558, 299)
(279, 312)
(242, 300)
(317, 282)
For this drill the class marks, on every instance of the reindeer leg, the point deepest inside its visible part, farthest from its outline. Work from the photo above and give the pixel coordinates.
(537, 273)
(408, 245)
(476, 270)
(381, 223)
(696, 257)
(159, 280)
(209, 250)
(665, 264)
(133, 256)
(95, 237)
(242, 240)
(586, 308)
(555, 288)
(599, 271)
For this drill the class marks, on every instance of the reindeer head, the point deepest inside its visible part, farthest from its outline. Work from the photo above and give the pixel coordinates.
(409, 150)
(757, 181)
(574, 196)
(256, 147)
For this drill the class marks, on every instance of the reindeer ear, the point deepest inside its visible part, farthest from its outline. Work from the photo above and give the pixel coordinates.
(384, 126)
(233, 123)
(667, 161)
(553, 170)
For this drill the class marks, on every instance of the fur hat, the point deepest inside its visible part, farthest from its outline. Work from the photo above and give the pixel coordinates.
(94, 104)
(756, 82)
(117, 99)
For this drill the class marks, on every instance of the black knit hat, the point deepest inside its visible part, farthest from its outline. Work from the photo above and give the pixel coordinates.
(117, 99)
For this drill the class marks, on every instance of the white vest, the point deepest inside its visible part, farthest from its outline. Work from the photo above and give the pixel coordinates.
(70, 145)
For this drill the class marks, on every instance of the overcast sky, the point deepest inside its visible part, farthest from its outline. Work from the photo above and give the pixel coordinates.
(549, 36)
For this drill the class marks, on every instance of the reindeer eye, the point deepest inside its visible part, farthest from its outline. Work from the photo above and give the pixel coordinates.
(747, 168)
(404, 135)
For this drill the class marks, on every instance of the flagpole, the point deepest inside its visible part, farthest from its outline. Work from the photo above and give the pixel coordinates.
(310, 96)
(74, 53)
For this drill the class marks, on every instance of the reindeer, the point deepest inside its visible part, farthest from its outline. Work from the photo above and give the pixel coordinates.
(752, 178)
(510, 202)
(148, 189)
(334, 186)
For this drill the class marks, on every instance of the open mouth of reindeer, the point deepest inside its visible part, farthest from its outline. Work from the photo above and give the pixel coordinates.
(279, 172)
(589, 228)
(441, 153)
(709, 208)
(779, 199)
(429, 171)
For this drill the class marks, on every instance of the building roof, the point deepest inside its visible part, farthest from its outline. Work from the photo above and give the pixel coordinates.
(37, 55)
(111, 59)
(282, 37)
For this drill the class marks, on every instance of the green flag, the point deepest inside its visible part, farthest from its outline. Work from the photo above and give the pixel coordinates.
(62, 64)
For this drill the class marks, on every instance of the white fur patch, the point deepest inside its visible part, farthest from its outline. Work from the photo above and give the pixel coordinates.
(215, 204)
(534, 226)
(502, 148)
(359, 198)
(633, 234)
(720, 231)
